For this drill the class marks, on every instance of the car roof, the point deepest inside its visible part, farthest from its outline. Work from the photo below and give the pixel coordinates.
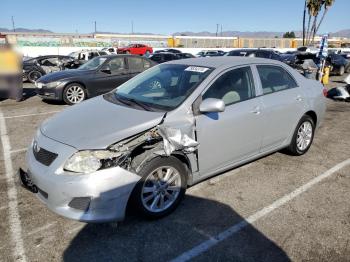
(224, 61)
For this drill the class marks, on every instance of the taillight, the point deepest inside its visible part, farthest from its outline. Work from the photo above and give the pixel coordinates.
(325, 92)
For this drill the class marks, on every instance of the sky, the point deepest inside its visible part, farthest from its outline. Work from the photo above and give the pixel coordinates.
(166, 17)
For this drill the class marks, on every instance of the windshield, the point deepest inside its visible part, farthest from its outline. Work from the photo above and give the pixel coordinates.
(161, 88)
(93, 63)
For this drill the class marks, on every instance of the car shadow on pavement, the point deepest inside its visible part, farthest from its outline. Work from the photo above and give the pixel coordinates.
(195, 221)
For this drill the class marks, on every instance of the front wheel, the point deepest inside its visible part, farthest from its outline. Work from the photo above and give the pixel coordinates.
(161, 188)
(33, 76)
(74, 94)
(341, 71)
(303, 136)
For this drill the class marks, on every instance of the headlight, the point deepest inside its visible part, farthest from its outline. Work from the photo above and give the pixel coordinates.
(52, 84)
(90, 161)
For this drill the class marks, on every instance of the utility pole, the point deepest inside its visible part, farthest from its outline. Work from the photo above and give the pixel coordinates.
(13, 24)
(95, 28)
(217, 29)
(221, 31)
(132, 27)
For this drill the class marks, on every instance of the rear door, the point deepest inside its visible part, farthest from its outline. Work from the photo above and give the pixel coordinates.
(135, 65)
(283, 105)
(112, 74)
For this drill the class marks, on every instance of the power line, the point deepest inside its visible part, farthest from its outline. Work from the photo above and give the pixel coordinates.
(13, 24)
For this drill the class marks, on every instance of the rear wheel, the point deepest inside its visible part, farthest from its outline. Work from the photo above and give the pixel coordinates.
(73, 94)
(33, 76)
(161, 188)
(303, 136)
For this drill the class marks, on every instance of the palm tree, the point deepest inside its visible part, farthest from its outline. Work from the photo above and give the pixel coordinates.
(304, 15)
(311, 5)
(318, 6)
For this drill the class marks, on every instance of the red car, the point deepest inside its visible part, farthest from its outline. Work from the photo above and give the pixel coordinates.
(135, 49)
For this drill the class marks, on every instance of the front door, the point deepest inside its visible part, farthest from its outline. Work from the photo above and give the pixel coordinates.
(228, 137)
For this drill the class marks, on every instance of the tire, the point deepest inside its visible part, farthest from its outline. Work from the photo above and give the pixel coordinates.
(297, 147)
(74, 93)
(149, 192)
(341, 71)
(32, 76)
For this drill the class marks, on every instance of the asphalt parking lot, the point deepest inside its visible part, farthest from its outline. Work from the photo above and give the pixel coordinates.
(278, 208)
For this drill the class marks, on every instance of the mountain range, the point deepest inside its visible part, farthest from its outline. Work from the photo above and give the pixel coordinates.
(256, 34)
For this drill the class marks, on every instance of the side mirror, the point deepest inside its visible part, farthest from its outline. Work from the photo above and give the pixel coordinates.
(106, 70)
(212, 105)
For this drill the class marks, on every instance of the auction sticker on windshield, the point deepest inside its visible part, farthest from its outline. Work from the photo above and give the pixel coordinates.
(197, 69)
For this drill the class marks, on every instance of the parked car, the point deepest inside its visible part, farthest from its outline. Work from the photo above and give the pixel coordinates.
(207, 53)
(98, 76)
(136, 49)
(339, 93)
(262, 53)
(185, 55)
(82, 56)
(339, 64)
(169, 50)
(141, 141)
(34, 68)
(163, 57)
(110, 50)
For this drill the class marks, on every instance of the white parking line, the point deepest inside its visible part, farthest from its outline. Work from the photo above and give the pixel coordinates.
(45, 113)
(18, 150)
(14, 218)
(204, 246)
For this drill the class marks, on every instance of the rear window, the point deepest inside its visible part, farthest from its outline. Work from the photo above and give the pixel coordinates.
(274, 79)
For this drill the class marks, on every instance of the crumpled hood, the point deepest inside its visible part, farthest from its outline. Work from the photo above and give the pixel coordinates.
(97, 123)
(61, 75)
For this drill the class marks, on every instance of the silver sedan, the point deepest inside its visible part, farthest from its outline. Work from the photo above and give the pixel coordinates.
(166, 129)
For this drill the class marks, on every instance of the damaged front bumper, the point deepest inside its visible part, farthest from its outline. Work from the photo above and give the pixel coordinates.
(97, 197)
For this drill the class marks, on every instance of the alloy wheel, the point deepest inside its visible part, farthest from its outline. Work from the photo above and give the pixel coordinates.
(304, 135)
(75, 94)
(160, 189)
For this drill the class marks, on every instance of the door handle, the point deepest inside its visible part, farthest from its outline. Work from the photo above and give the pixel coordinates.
(256, 110)
(299, 98)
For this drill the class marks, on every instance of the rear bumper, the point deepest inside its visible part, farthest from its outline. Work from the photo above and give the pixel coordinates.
(98, 197)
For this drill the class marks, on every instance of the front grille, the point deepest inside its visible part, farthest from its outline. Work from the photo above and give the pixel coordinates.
(43, 156)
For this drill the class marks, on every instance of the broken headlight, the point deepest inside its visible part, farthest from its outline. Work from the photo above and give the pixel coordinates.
(89, 161)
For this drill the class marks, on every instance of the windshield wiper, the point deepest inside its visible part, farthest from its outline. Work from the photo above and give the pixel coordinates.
(140, 104)
(127, 101)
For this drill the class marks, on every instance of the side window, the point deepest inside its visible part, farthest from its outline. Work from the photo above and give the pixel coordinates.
(50, 61)
(116, 65)
(234, 86)
(262, 54)
(157, 57)
(274, 79)
(168, 57)
(135, 63)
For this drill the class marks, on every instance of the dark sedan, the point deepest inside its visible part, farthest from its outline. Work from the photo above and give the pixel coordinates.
(98, 76)
(262, 53)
